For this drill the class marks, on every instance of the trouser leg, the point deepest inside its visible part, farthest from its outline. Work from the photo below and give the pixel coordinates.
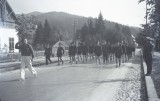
(22, 70)
(29, 65)
(61, 60)
(46, 60)
(49, 58)
(149, 65)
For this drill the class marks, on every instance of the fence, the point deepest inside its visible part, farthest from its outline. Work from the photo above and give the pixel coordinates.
(11, 57)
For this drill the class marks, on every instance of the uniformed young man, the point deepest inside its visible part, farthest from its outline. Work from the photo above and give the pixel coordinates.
(60, 52)
(118, 54)
(105, 52)
(84, 52)
(147, 55)
(98, 53)
(48, 53)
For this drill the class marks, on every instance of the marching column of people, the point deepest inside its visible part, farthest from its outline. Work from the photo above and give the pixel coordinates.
(109, 52)
(118, 52)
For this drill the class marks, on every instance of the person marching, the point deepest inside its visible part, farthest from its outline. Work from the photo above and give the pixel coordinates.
(84, 52)
(48, 53)
(105, 52)
(147, 56)
(74, 51)
(60, 52)
(79, 51)
(124, 52)
(27, 55)
(118, 54)
(91, 52)
(98, 53)
(70, 52)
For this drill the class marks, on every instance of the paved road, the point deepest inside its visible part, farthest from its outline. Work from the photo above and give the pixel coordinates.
(77, 82)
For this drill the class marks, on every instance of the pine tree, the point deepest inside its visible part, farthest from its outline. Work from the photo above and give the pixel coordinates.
(100, 25)
(47, 30)
(38, 38)
(84, 32)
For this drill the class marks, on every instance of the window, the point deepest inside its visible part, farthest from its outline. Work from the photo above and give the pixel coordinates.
(11, 44)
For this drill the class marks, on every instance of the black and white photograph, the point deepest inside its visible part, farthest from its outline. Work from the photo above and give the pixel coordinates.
(79, 50)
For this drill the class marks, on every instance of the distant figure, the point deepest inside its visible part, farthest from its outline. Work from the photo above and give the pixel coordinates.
(118, 54)
(91, 51)
(48, 53)
(84, 52)
(98, 53)
(79, 51)
(70, 52)
(105, 52)
(147, 55)
(60, 52)
(27, 54)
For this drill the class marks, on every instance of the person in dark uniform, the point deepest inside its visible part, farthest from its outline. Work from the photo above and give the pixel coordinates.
(79, 51)
(84, 52)
(147, 56)
(124, 52)
(118, 54)
(70, 52)
(74, 51)
(60, 52)
(98, 52)
(91, 52)
(105, 52)
(48, 53)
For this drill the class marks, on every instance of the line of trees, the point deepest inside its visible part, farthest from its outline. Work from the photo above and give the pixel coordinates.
(39, 35)
(152, 26)
(44, 34)
(95, 30)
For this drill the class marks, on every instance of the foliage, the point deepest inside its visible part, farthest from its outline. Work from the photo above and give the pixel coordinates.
(25, 26)
(95, 30)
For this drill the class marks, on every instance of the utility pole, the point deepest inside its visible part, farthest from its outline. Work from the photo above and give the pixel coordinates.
(74, 29)
(146, 28)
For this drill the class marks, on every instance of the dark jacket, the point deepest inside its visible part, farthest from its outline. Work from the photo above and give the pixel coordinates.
(48, 52)
(26, 49)
(98, 50)
(60, 51)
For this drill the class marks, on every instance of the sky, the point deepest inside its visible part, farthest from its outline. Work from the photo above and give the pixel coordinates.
(127, 12)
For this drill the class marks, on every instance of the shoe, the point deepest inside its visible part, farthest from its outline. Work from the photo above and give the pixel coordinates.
(147, 74)
(35, 74)
(21, 79)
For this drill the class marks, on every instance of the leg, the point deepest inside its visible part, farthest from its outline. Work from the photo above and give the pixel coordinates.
(46, 60)
(58, 60)
(22, 70)
(61, 59)
(29, 66)
(49, 58)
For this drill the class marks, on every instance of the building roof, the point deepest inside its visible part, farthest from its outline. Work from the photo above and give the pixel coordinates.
(6, 12)
(63, 43)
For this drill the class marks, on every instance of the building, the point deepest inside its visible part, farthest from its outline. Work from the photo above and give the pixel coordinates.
(8, 34)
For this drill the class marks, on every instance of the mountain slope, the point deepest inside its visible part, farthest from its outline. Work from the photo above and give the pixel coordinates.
(64, 22)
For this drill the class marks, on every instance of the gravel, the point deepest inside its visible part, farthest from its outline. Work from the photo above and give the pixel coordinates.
(133, 88)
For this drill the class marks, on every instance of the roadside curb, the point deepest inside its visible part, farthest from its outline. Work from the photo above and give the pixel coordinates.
(151, 91)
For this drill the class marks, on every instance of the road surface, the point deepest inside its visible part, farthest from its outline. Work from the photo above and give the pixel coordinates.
(77, 82)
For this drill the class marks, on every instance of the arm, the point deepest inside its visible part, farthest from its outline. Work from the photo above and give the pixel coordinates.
(63, 50)
(32, 51)
(17, 46)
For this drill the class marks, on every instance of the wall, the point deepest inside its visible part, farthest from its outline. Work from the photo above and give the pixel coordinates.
(5, 34)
